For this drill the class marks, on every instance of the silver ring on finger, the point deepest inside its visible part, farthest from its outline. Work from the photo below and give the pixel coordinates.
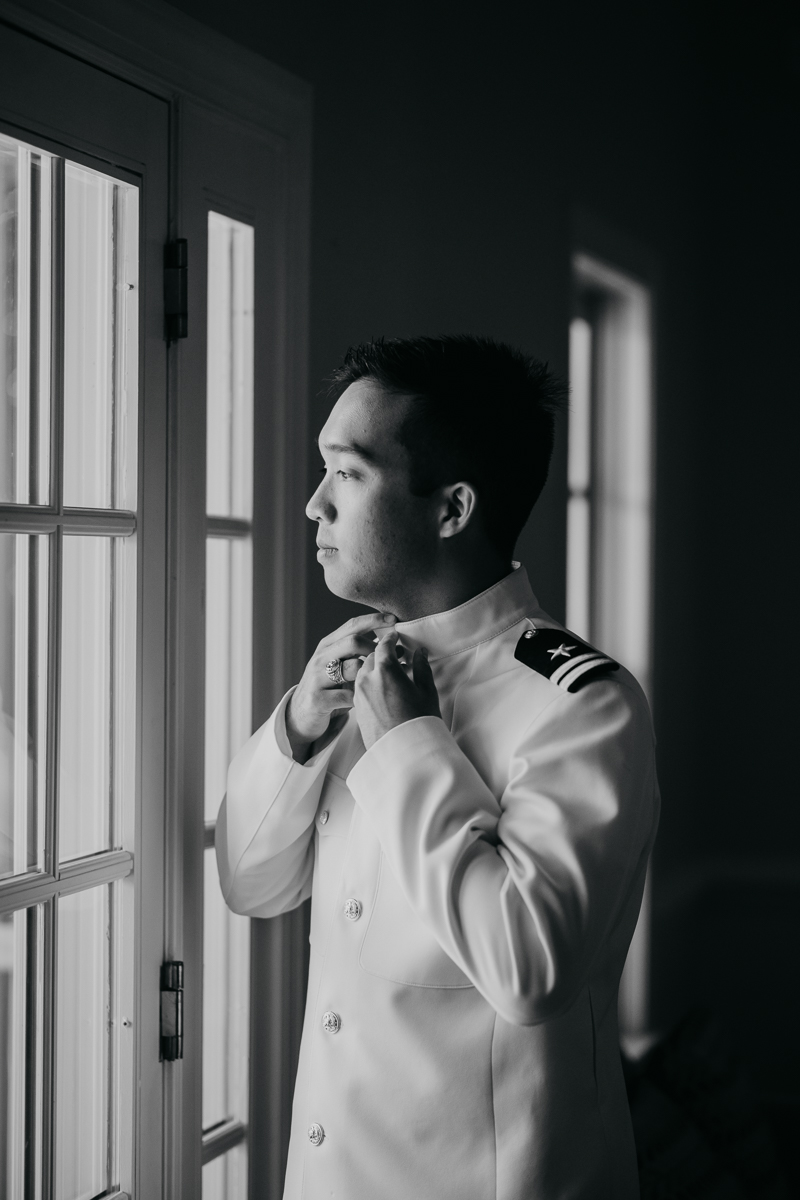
(333, 670)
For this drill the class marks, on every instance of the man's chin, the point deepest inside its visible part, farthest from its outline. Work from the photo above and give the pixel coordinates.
(341, 586)
(335, 578)
(344, 583)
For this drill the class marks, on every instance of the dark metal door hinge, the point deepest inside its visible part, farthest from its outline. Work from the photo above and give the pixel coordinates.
(171, 1011)
(176, 305)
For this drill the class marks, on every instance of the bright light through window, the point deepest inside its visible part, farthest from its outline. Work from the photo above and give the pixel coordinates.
(610, 513)
(69, 305)
(229, 650)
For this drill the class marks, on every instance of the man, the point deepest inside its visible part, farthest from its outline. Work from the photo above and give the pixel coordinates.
(467, 792)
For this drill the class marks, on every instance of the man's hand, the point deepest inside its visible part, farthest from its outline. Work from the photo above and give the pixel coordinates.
(385, 696)
(317, 700)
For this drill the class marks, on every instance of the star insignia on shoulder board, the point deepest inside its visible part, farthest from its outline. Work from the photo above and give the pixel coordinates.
(561, 651)
(567, 664)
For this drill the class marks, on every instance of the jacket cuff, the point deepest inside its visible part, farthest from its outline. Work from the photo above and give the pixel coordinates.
(321, 747)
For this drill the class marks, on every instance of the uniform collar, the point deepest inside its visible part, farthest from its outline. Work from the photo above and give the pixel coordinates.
(479, 619)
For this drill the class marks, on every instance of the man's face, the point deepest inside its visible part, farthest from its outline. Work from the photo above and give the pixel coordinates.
(377, 541)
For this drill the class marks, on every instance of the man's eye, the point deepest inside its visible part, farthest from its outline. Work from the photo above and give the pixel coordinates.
(341, 473)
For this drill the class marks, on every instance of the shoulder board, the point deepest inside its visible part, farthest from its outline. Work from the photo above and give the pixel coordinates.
(561, 657)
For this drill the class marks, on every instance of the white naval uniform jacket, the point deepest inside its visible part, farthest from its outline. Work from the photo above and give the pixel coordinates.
(475, 884)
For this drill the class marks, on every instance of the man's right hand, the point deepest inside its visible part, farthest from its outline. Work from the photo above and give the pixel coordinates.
(316, 699)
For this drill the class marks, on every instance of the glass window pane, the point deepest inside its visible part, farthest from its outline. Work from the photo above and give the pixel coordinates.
(20, 1043)
(226, 978)
(610, 525)
(229, 650)
(229, 479)
(23, 698)
(85, 734)
(25, 189)
(218, 622)
(83, 1000)
(225, 1178)
(100, 340)
(579, 565)
(229, 647)
(579, 463)
(123, 756)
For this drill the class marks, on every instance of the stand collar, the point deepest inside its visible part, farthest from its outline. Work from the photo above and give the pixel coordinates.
(479, 619)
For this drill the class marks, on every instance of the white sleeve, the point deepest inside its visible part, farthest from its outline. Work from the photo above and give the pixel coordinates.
(265, 828)
(523, 892)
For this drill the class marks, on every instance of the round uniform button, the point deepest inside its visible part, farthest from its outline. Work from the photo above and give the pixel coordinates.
(323, 817)
(529, 633)
(352, 909)
(316, 1134)
(331, 1022)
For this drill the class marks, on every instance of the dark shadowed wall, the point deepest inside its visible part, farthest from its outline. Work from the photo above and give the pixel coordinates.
(453, 148)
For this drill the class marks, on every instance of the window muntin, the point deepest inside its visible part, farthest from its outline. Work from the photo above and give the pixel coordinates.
(228, 691)
(68, 672)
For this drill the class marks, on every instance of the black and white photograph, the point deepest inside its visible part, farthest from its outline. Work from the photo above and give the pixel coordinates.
(399, 425)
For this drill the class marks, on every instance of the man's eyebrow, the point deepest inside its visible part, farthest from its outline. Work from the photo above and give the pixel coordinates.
(349, 448)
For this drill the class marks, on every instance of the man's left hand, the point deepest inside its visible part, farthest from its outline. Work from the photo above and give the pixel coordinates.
(385, 696)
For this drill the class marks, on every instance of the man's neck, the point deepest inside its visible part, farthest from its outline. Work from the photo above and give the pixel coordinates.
(448, 589)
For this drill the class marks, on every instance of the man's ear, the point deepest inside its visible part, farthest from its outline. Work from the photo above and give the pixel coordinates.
(458, 506)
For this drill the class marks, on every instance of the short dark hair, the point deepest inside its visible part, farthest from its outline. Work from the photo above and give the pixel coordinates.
(482, 412)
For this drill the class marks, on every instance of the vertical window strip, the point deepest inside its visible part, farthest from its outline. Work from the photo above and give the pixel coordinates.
(579, 479)
(610, 517)
(229, 648)
(23, 289)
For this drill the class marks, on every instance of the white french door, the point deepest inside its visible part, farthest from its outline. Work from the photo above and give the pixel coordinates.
(82, 516)
(152, 462)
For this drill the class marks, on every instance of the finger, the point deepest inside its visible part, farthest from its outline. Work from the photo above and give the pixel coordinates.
(334, 698)
(355, 645)
(400, 649)
(350, 668)
(366, 668)
(360, 624)
(386, 649)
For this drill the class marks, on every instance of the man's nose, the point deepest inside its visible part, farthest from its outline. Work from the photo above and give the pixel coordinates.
(319, 507)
